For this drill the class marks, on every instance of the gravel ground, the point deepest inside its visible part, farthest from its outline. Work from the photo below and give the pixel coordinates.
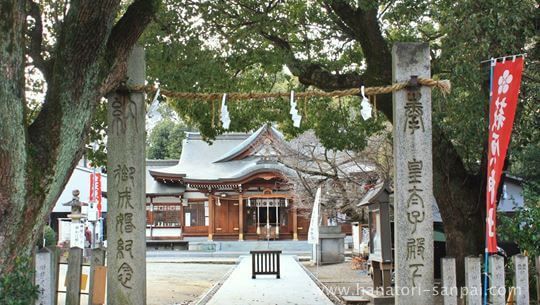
(341, 279)
(177, 283)
(173, 284)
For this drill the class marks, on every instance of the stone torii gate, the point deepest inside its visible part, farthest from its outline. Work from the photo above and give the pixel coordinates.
(413, 180)
(126, 219)
(413, 192)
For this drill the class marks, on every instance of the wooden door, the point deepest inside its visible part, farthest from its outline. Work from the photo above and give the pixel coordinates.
(226, 217)
(220, 217)
(233, 223)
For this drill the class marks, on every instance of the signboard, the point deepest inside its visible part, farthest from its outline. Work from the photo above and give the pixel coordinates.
(92, 211)
(77, 235)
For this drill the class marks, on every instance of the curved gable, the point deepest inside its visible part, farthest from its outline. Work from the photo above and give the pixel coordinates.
(266, 140)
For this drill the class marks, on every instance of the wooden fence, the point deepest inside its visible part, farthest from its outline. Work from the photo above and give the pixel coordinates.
(47, 277)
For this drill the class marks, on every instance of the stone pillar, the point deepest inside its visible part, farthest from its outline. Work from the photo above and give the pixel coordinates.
(473, 281)
(240, 217)
(295, 222)
(126, 219)
(413, 195)
(46, 276)
(210, 217)
(496, 280)
(521, 269)
(449, 286)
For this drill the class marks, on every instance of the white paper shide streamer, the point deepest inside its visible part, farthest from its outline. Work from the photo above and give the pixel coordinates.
(294, 112)
(365, 106)
(155, 104)
(224, 116)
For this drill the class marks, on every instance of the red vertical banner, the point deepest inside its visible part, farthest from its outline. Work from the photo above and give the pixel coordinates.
(505, 83)
(95, 190)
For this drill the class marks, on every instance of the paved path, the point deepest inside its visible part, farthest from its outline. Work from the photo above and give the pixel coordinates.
(294, 287)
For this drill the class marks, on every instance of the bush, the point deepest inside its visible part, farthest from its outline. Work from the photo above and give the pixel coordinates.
(17, 287)
(50, 236)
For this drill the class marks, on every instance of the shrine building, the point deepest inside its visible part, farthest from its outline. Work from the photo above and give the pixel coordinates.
(231, 189)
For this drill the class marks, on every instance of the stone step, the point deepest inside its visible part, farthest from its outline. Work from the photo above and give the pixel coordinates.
(248, 245)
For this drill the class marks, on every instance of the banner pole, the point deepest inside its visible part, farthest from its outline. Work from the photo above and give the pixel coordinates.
(486, 252)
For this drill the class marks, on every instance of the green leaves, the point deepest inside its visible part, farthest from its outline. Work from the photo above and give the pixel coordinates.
(523, 228)
(223, 46)
(165, 140)
(17, 287)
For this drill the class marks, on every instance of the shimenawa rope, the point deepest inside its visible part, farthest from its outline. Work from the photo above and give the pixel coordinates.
(443, 85)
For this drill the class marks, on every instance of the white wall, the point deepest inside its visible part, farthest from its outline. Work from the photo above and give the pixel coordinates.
(80, 180)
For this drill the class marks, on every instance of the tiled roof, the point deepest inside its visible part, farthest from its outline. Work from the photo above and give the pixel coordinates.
(201, 161)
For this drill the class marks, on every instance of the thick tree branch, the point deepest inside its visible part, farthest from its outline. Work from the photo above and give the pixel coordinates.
(363, 26)
(366, 30)
(35, 34)
(125, 33)
(130, 27)
(311, 74)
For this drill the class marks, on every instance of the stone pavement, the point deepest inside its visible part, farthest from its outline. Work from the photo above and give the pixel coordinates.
(294, 287)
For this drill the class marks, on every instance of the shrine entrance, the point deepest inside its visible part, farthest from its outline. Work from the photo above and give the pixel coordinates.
(269, 217)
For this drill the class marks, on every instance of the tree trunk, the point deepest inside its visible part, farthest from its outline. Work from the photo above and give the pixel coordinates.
(458, 196)
(13, 153)
(37, 160)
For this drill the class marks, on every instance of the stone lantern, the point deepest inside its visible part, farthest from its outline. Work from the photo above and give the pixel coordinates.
(76, 206)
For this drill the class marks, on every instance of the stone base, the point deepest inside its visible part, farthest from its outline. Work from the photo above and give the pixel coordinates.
(355, 300)
(208, 246)
(331, 247)
(377, 299)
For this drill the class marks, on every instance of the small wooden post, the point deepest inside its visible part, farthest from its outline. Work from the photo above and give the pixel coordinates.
(521, 269)
(473, 281)
(97, 260)
(497, 291)
(449, 287)
(73, 276)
